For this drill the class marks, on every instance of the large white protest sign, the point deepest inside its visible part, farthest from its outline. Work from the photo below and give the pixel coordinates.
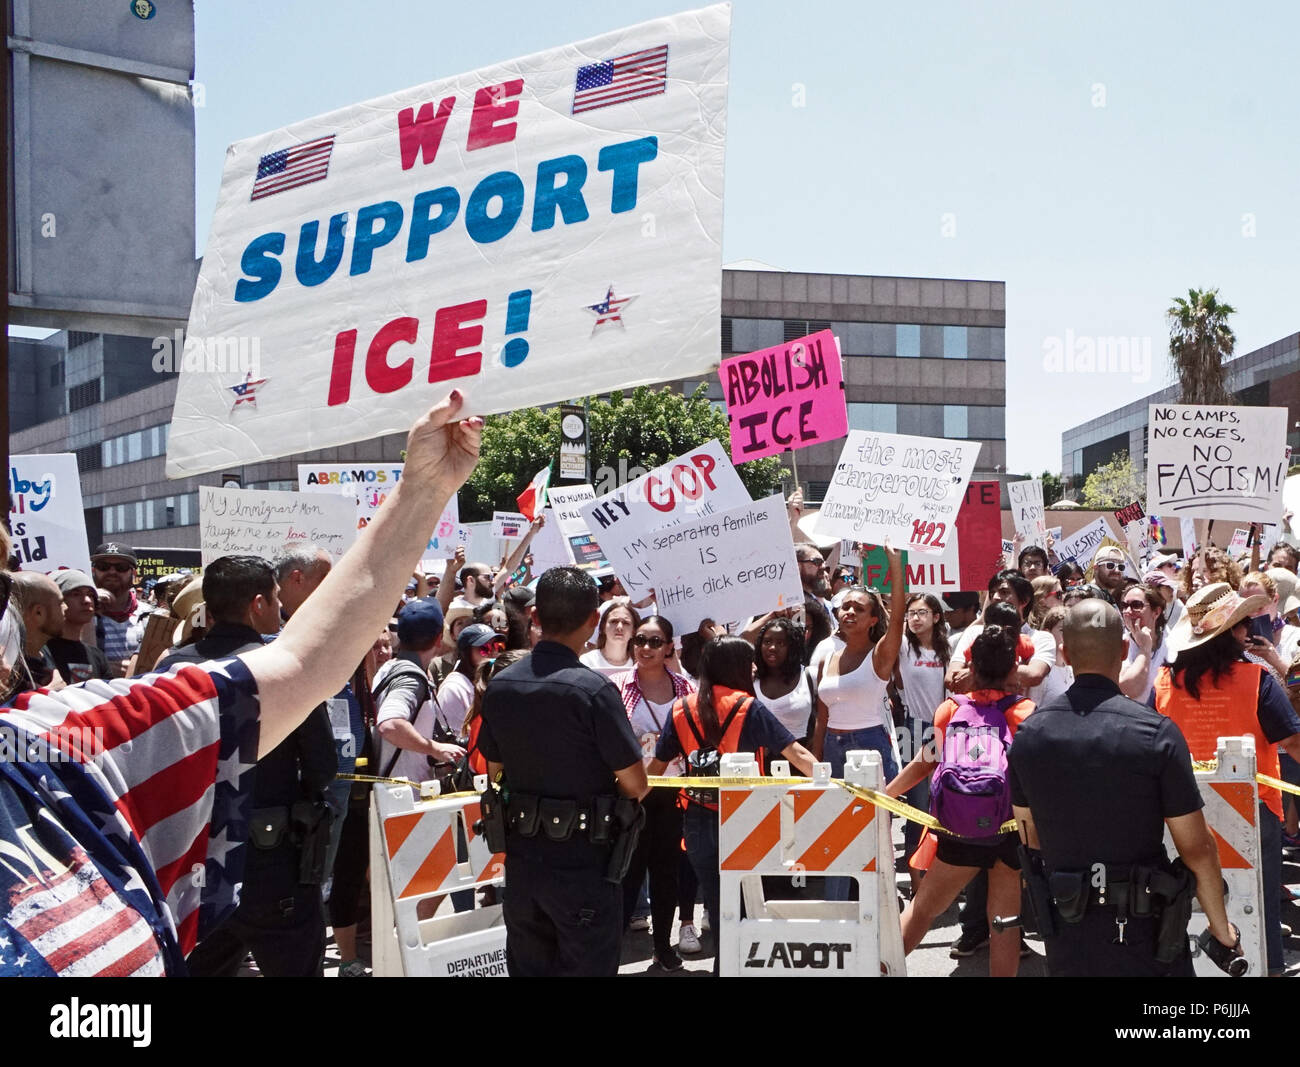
(1216, 461)
(261, 522)
(1026, 499)
(906, 489)
(549, 547)
(1082, 545)
(567, 501)
(45, 515)
(730, 565)
(532, 231)
(701, 482)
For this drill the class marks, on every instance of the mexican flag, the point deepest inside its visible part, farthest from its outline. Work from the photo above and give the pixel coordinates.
(533, 499)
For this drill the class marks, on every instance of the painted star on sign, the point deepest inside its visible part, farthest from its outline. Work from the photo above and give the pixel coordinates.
(610, 309)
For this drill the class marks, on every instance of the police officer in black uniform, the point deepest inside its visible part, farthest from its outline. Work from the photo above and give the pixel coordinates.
(1095, 779)
(280, 917)
(559, 746)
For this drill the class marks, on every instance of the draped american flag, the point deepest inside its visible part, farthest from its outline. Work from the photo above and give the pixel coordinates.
(291, 167)
(116, 861)
(624, 78)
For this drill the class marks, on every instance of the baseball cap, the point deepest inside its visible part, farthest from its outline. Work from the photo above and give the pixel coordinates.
(419, 620)
(1164, 560)
(476, 635)
(67, 581)
(114, 548)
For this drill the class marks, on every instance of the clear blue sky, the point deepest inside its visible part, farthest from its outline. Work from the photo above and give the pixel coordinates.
(1094, 216)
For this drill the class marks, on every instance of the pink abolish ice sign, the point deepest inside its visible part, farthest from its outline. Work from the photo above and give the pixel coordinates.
(786, 397)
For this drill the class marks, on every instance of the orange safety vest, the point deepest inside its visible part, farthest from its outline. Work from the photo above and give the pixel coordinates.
(686, 712)
(1226, 708)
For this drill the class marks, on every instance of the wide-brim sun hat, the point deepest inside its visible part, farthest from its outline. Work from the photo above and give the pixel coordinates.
(185, 608)
(1212, 610)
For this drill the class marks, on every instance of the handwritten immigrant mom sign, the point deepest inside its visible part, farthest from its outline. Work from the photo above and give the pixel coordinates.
(1209, 461)
(527, 232)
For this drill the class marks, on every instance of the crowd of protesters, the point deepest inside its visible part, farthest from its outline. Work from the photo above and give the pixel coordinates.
(848, 669)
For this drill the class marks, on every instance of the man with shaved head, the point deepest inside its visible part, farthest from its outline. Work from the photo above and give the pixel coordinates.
(42, 607)
(1095, 779)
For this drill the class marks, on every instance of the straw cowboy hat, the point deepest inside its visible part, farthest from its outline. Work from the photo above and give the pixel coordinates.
(1212, 610)
(185, 608)
(1287, 601)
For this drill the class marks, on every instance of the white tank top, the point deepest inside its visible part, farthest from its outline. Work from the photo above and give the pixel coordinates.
(854, 701)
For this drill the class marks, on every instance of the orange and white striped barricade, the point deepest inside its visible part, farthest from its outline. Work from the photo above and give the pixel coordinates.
(1231, 797)
(819, 829)
(413, 857)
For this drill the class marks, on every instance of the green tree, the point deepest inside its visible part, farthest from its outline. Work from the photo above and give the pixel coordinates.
(1113, 485)
(1200, 340)
(1053, 488)
(628, 434)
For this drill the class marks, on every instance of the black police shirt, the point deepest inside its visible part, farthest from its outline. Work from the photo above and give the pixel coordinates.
(561, 731)
(1100, 774)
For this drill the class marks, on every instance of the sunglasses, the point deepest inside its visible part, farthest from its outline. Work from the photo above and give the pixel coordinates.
(1110, 565)
(121, 568)
(645, 641)
(493, 647)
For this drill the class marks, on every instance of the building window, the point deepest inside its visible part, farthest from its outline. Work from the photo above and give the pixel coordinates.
(985, 342)
(77, 338)
(986, 423)
(83, 395)
(921, 420)
(726, 335)
(878, 418)
(954, 342)
(90, 458)
(56, 374)
(865, 338)
(932, 342)
(907, 340)
(955, 421)
(749, 335)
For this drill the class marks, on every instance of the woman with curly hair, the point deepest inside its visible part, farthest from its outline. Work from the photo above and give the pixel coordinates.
(780, 679)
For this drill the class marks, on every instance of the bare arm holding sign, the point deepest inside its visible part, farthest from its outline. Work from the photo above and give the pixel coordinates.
(334, 629)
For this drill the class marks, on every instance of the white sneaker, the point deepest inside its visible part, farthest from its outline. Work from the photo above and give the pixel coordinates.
(639, 922)
(688, 939)
(704, 920)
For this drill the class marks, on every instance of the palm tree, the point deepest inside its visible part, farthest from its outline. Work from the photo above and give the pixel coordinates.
(1200, 340)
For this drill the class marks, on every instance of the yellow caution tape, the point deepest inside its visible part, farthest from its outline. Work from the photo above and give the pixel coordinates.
(881, 800)
(373, 780)
(1262, 779)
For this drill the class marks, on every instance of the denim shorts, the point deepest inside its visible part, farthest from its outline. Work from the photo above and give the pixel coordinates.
(872, 738)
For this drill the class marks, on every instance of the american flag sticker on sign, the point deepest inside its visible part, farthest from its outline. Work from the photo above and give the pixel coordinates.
(291, 167)
(624, 78)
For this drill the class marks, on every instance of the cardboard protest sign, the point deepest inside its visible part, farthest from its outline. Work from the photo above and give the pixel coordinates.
(486, 231)
(973, 555)
(899, 488)
(729, 565)
(567, 502)
(260, 522)
(786, 397)
(155, 562)
(549, 547)
(1082, 545)
(849, 554)
(369, 485)
(1216, 461)
(45, 514)
(1026, 499)
(1132, 520)
(1054, 533)
(509, 525)
(1239, 542)
(875, 570)
(1008, 549)
(701, 482)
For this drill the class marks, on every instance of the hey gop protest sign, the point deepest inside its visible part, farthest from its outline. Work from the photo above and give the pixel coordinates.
(700, 482)
(45, 516)
(726, 567)
(531, 231)
(786, 397)
(894, 487)
(1213, 461)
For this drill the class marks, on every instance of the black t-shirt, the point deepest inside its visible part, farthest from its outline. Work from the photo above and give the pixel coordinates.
(1101, 773)
(77, 661)
(561, 731)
